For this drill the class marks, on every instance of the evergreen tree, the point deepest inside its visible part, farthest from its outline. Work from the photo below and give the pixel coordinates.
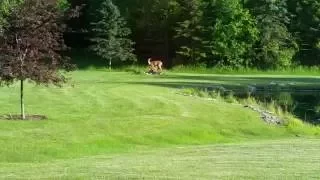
(189, 32)
(276, 47)
(259, 33)
(152, 23)
(306, 27)
(110, 35)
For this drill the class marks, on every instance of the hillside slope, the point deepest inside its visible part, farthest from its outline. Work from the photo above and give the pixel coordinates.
(104, 113)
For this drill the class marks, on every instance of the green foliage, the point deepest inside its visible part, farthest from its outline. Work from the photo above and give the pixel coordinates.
(261, 34)
(110, 35)
(306, 27)
(64, 5)
(189, 32)
(216, 32)
(297, 70)
(6, 6)
(285, 100)
(231, 32)
(276, 47)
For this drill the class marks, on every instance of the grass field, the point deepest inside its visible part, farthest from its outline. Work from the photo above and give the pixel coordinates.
(282, 159)
(122, 125)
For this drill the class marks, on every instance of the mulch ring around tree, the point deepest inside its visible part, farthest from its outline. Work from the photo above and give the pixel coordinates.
(17, 117)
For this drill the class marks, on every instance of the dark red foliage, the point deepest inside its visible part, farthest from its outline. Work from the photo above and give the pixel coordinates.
(32, 44)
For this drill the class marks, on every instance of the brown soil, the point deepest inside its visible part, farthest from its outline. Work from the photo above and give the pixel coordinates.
(18, 117)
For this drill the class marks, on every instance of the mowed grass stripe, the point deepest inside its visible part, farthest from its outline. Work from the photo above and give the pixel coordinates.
(281, 159)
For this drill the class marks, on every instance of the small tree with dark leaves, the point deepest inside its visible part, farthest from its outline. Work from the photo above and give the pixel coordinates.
(31, 45)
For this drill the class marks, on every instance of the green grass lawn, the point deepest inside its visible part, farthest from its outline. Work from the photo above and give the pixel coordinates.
(117, 124)
(281, 159)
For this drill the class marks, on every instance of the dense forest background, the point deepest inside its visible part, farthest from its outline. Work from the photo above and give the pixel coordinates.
(264, 34)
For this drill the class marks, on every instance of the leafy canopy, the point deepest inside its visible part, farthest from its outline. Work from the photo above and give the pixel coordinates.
(32, 43)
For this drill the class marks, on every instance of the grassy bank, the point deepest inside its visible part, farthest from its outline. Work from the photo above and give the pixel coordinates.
(296, 70)
(103, 113)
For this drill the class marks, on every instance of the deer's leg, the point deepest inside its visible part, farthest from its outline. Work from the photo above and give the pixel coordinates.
(152, 68)
(160, 67)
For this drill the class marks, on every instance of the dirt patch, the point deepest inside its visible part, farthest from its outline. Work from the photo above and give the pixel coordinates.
(17, 117)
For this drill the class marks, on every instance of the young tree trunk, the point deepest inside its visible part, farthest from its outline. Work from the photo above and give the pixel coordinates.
(167, 45)
(110, 64)
(23, 116)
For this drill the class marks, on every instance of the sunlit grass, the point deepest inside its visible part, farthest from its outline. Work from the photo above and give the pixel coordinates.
(111, 113)
(277, 159)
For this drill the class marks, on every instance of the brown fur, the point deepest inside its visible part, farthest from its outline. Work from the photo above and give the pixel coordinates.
(155, 65)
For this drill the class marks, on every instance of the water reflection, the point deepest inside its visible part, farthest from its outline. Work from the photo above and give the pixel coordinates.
(303, 104)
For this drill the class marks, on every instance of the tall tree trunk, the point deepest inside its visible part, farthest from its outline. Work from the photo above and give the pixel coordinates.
(23, 116)
(166, 39)
(21, 58)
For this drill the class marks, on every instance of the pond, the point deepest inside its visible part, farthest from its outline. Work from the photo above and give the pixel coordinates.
(304, 105)
(297, 95)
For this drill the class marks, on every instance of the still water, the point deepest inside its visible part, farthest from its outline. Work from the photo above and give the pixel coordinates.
(304, 104)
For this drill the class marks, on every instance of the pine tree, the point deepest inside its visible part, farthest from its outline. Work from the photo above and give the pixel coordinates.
(110, 35)
(306, 28)
(276, 46)
(189, 31)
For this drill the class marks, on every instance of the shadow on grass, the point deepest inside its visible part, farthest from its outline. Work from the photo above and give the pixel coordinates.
(181, 85)
(235, 82)
(246, 79)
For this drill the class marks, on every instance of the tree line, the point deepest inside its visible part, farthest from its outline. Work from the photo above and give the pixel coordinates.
(263, 34)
